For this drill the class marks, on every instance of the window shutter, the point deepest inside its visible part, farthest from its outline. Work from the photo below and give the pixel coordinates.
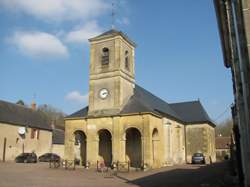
(105, 56)
(38, 133)
(32, 134)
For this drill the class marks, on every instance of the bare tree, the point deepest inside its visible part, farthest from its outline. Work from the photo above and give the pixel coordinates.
(53, 115)
(224, 128)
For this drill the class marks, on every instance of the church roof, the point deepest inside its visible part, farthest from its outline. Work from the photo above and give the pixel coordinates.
(80, 113)
(112, 33)
(143, 101)
(15, 114)
(222, 142)
(58, 136)
(192, 112)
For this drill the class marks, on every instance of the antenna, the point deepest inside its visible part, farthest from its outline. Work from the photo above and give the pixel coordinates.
(113, 15)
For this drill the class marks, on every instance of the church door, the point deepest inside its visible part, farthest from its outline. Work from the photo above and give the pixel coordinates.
(105, 146)
(134, 147)
(80, 147)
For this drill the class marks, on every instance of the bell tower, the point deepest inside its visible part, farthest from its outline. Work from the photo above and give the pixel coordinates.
(112, 73)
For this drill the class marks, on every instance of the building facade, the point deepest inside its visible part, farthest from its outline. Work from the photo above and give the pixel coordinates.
(58, 142)
(222, 145)
(126, 123)
(22, 129)
(233, 18)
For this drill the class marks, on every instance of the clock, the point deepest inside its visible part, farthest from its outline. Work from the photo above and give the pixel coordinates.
(103, 93)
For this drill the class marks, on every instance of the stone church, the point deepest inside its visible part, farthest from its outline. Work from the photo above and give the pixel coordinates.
(126, 123)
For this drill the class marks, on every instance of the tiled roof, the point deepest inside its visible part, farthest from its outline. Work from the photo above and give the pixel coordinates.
(15, 114)
(191, 112)
(58, 136)
(143, 101)
(112, 33)
(80, 113)
(222, 142)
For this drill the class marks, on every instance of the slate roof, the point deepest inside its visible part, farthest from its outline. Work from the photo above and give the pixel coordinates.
(222, 142)
(15, 114)
(112, 33)
(191, 112)
(58, 136)
(141, 101)
(144, 101)
(81, 113)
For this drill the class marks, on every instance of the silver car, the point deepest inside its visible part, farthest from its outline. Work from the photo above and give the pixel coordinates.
(198, 158)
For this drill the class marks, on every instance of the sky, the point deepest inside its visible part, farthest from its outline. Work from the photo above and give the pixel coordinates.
(44, 50)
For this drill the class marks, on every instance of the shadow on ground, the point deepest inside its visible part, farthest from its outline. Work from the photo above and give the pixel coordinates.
(201, 176)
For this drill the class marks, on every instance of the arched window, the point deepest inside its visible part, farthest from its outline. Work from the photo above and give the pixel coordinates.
(105, 56)
(127, 60)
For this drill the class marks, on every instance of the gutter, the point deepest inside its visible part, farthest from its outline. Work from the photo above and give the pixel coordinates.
(222, 21)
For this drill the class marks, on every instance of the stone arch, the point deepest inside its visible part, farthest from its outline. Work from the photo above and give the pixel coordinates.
(134, 147)
(80, 146)
(129, 127)
(105, 146)
(155, 146)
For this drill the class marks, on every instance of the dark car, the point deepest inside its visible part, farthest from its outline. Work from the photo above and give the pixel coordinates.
(198, 158)
(48, 157)
(26, 158)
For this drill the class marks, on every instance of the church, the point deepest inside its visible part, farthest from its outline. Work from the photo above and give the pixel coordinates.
(125, 123)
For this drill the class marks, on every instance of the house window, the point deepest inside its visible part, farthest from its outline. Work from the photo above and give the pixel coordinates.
(35, 134)
(105, 56)
(127, 60)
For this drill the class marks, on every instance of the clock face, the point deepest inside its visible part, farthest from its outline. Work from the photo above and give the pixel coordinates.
(103, 93)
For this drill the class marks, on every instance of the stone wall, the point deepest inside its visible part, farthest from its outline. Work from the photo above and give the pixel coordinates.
(58, 149)
(15, 143)
(114, 77)
(200, 138)
(146, 124)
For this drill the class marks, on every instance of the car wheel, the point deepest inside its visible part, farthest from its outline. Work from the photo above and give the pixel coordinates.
(25, 161)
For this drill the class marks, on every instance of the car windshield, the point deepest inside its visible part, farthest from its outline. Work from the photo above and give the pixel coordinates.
(198, 154)
(23, 154)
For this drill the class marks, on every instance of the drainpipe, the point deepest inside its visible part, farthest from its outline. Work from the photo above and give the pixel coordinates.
(185, 142)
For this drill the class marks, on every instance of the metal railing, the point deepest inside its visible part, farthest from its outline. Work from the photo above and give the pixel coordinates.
(123, 166)
(67, 164)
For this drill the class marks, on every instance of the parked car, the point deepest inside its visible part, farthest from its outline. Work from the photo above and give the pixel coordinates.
(47, 157)
(26, 158)
(198, 158)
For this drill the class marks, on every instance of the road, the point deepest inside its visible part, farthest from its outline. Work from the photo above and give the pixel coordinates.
(40, 175)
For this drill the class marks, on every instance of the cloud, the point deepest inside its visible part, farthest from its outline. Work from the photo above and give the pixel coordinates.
(76, 97)
(58, 10)
(38, 44)
(123, 21)
(82, 34)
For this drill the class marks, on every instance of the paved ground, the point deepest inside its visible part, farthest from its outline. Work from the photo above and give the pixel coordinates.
(40, 175)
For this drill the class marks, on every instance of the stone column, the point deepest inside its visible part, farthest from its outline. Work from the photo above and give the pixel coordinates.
(122, 157)
(116, 139)
(92, 150)
(146, 141)
(69, 152)
(167, 142)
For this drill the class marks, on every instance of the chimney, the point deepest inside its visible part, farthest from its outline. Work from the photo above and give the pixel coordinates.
(53, 124)
(33, 105)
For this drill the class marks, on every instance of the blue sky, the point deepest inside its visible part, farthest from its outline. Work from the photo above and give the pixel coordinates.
(44, 50)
